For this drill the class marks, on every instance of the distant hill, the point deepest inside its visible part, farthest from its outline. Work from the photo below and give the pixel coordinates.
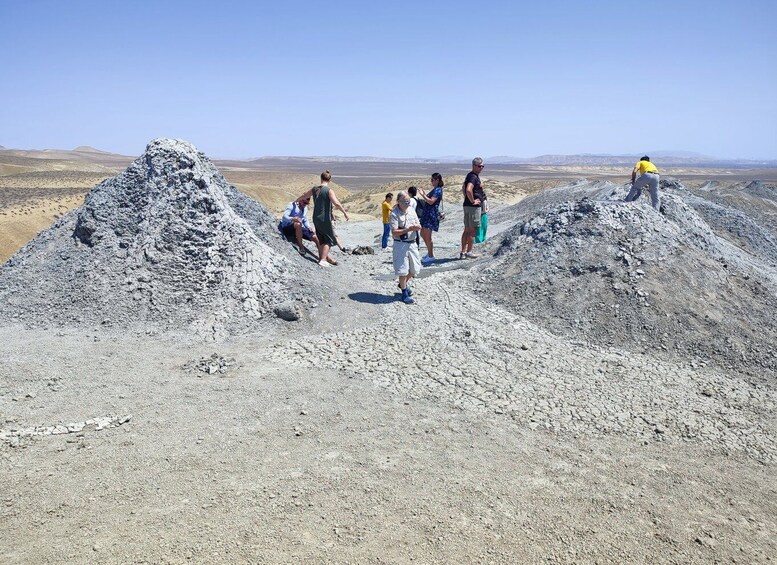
(88, 149)
(83, 154)
(661, 158)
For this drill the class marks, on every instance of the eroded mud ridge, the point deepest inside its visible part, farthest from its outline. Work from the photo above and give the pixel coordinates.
(697, 279)
(167, 242)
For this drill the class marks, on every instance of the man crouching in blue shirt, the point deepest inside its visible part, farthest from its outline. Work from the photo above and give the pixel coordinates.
(294, 223)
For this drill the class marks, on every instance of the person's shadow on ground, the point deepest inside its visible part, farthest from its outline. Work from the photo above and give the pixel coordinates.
(441, 262)
(372, 297)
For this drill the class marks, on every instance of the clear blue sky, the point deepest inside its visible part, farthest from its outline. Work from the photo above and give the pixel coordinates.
(392, 79)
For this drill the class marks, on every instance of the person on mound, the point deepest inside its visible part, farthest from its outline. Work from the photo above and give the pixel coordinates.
(404, 229)
(294, 224)
(323, 200)
(648, 176)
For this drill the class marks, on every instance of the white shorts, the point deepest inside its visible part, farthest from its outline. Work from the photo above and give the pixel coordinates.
(407, 260)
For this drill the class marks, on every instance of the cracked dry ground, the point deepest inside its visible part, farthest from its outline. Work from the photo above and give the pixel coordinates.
(447, 431)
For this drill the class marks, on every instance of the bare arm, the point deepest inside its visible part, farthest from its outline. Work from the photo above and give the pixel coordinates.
(336, 203)
(471, 194)
(428, 200)
(307, 194)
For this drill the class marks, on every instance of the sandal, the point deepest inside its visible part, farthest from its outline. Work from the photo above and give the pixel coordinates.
(302, 251)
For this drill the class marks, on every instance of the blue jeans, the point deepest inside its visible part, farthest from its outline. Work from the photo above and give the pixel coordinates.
(386, 233)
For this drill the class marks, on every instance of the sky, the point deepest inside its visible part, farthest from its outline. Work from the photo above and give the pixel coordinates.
(391, 79)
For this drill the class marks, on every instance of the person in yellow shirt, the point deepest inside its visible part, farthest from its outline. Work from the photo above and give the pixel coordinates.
(648, 176)
(386, 210)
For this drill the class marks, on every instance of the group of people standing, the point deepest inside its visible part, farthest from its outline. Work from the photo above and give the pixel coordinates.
(416, 215)
(403, 223)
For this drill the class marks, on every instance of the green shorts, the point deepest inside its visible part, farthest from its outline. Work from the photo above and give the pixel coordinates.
(471, 216)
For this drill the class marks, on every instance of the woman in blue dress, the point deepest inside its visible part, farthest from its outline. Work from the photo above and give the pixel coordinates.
(430, 216)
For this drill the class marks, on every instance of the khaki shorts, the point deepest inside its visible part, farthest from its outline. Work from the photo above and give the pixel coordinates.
(471, 216)
(407, 260)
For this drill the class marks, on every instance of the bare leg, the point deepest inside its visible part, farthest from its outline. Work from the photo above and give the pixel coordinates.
(426, 235)
(470, 240)
(323, 252)
(298, 235)
(403, 282)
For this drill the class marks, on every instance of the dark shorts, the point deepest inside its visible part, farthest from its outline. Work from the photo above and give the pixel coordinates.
(288, 231)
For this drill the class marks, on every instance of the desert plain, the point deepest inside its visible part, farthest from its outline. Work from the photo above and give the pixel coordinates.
(597, 387)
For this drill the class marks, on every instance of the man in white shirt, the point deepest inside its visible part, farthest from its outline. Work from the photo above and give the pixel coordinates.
(294, 223)
(404, 229)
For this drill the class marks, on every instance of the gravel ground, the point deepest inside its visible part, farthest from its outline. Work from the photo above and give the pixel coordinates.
(454, 430)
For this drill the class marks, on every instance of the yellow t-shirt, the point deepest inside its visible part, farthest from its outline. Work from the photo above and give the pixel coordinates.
(645, 167)
(386, 209)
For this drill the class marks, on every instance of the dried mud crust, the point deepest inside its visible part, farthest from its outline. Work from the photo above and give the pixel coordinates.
(477, 356)
(376, 443)
(452, 430)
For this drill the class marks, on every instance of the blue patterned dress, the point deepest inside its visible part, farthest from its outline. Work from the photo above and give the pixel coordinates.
(430, 216)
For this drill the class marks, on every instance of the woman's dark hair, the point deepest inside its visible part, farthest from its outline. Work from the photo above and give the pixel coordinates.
(438, 178)
(412, 191)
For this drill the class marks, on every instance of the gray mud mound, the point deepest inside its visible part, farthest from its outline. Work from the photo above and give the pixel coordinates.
(622, 274)
(167, 243)
(744, 214)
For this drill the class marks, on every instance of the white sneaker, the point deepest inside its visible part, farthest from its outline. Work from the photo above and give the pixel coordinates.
(323, 263)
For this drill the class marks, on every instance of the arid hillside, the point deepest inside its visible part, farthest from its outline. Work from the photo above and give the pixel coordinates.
(37, 186)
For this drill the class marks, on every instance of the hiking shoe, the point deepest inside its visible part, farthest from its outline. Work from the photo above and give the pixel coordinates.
(407, 289)
(406, 297)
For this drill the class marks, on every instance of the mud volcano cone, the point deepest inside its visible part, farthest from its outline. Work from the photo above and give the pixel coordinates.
(168, 243)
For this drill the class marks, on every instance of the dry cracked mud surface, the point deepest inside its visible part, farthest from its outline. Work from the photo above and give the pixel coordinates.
(453, 430)
(387, 440)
